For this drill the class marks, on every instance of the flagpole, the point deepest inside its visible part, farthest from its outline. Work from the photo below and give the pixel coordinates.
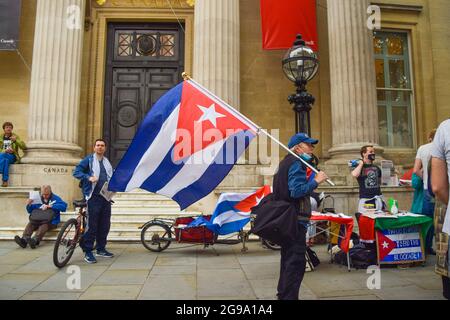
(260, 130)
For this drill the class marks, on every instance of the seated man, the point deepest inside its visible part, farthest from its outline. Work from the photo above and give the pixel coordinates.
(50, 201)
(9, 152)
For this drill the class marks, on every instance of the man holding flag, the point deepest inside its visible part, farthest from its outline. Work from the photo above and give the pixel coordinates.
(291, 184)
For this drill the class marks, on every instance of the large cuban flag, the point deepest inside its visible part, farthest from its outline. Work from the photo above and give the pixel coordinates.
(232, 211)
(186, 145)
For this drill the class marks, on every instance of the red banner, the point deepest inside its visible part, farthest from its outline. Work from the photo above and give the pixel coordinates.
(282, 20)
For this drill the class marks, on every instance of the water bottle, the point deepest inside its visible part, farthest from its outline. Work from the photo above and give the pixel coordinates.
(394, 208)
(353, 163)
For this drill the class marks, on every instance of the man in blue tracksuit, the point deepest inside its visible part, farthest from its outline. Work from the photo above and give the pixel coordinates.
(94, 171)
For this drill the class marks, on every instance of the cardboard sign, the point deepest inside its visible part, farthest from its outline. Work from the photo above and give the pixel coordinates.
(403, 245)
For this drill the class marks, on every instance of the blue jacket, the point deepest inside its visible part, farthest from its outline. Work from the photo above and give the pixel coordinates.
(299, 185)
(59, 206)
(83, 171)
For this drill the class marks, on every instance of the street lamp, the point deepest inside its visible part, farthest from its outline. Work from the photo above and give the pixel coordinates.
(300, 64)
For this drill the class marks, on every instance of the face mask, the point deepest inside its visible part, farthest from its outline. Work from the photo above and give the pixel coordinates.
(371, 157)
(305, 157)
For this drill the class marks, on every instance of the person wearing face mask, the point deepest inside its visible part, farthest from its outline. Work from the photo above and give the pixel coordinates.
(291, 184)
(369, 180)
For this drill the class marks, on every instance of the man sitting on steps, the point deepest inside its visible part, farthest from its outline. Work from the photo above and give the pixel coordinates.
(50, 202)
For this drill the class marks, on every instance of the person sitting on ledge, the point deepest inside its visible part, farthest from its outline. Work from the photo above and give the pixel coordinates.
(9, 153)
(50, 202)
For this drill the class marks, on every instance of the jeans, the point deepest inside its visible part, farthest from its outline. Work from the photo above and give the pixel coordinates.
(428, 210)
(5, 160)
(292, 267)
(98, 223)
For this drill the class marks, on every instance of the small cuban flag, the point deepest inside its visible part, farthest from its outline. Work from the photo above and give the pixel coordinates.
(232, 211)
(186, 145)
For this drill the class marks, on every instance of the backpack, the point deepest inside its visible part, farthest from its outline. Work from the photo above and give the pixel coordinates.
(312, 257)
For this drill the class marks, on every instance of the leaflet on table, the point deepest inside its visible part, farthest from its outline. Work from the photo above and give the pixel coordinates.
(409, 214)
(379, 215)
(328, 214)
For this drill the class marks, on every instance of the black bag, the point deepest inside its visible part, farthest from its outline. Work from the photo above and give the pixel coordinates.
(39, 216)
(313, 257)
(276, 220)
(361, 257)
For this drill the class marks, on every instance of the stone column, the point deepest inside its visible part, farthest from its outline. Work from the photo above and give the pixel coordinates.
(352, 77)
(55, 83)
(216, 48)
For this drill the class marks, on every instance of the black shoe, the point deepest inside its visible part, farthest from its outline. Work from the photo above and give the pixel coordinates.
(33, 243)
(431, 252)
(20, 241)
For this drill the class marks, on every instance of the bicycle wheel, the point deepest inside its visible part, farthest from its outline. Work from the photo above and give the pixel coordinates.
(270, 244)
(156, 237)
(66, 243)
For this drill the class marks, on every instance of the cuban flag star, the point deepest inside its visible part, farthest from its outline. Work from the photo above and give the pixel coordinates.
(186, 145)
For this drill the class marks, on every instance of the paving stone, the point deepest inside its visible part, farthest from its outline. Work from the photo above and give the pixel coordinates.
(357, 297)
(175, 270)
(42, 264)
(59, 281)
(259, 271)
(426, 282)
(265, 289)
(51, 296)
(408, 293)
(306, 293)
(253, 257)
(13, 286)
(176, 260)
(19, 256)
(222, 261)
(4, 251)
(173, 287)
(223, 283)
(122, 292)
(122, 277)
(8, 268)
(134, 261)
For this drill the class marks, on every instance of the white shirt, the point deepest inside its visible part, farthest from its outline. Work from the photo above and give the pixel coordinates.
(441, 150)
(424, 154)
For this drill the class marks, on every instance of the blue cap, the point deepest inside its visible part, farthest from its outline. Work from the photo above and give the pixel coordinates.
(299, 138)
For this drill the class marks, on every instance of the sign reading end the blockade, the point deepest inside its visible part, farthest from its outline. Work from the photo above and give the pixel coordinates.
(402, 245)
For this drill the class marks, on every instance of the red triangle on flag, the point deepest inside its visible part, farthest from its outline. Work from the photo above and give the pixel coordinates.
(385, 245)
(252, 200)
(202, 121)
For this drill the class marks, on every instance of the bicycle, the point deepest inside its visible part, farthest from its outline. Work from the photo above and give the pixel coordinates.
(70, 235)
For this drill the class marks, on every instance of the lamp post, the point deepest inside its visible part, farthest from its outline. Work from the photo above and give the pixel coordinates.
(300, 65)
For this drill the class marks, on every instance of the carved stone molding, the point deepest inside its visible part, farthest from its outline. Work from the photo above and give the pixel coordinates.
(145, 3)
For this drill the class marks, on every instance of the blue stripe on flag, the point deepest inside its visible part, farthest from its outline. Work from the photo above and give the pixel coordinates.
(163, 174)
(215, 172)
(144, 137)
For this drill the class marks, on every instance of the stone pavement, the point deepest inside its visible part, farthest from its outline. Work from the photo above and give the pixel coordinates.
(196, 273)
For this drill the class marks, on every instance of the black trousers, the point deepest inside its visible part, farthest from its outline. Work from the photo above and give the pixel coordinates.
(292, 267)
(98, 224)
